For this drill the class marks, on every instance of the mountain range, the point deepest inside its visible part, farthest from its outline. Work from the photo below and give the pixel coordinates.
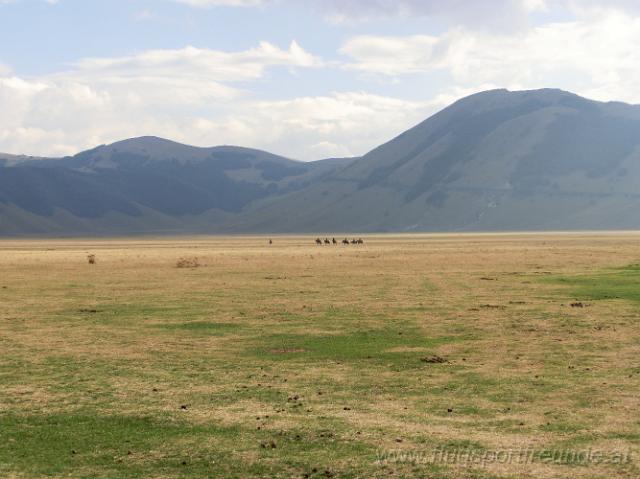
(494, 161)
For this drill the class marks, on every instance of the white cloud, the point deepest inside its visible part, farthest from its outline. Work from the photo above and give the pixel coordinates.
(191, 95)
(595, 56)
(392, 55)
(65, 113)
(155, 92)
(191, 62)
(591, 6)
(337, 124)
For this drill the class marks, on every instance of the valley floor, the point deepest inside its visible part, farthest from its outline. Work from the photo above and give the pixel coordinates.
(436, 356)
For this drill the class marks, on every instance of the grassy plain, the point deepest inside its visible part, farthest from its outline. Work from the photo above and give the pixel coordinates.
(297, 360)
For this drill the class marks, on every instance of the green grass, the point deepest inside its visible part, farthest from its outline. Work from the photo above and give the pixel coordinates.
(372, 345)
(204, 327)
(59, 444)
(118, 446)
(620, 283)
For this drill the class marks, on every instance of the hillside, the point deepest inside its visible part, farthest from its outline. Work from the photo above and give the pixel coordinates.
(142, 185)
(497, 160)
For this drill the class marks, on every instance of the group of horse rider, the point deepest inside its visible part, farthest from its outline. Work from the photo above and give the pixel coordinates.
(344, 241)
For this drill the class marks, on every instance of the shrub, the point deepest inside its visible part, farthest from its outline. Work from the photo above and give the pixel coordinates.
(187, 263)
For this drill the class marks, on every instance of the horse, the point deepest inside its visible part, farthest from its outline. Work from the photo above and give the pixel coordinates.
(318, 241)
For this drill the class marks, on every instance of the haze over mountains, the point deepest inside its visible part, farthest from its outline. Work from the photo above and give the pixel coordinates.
(497, 160)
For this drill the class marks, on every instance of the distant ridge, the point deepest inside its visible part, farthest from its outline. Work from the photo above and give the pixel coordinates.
(497, 160)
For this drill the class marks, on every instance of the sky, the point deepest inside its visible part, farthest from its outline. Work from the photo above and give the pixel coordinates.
(306, 79)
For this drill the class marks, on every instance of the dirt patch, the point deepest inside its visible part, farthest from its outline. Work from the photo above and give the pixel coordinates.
(433, 359)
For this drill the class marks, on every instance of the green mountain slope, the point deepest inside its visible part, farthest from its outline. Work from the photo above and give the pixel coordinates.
(497, 160)
(144, 184)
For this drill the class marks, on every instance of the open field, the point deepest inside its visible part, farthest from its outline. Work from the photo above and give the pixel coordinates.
(297, 360)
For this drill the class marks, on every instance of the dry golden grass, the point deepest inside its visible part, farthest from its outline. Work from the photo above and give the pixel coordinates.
(131, 367)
